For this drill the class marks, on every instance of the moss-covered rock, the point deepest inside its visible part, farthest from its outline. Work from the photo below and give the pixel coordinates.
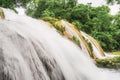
(76, 40)
(50, 19)
(56, 23)
(1, 14)
(59, 27)
(90, 48)
(113, 63)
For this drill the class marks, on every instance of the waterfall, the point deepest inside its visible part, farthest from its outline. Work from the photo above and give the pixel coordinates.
(73, 32)
(31, 50)
(97, 50)
(20, 10)
(18, 3)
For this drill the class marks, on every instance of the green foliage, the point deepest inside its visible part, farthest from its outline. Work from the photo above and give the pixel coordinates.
(113, 1)
(58, 7)
(116, 31)
(48, 13)
(77, 23)
(80, 12)
(24, 2)
(109, 63)
(7, 3)
(106, 40)
(13, 3)
(91, 18)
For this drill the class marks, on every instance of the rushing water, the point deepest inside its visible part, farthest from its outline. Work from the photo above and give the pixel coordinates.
(96, 51)
(31, 50)
(20, 10)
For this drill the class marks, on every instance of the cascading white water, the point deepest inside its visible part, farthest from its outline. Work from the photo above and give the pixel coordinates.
(20, 10)
(31, 50)
(73, 33)
(95, 49)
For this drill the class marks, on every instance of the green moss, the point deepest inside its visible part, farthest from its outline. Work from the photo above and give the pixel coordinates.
(116, 53)
(90, 47)
(113, 63)
(106, 63)
(116, 59)
(49, 19)
(53, 21)
(76, 40)
(2, 16)
(59, 27)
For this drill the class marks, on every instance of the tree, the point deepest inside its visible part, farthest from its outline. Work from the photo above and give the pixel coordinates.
(7, 3)
(113, 1)
(13, 3)
(56, 6)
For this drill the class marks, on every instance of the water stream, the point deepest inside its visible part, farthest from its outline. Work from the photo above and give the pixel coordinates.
(31, 50)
